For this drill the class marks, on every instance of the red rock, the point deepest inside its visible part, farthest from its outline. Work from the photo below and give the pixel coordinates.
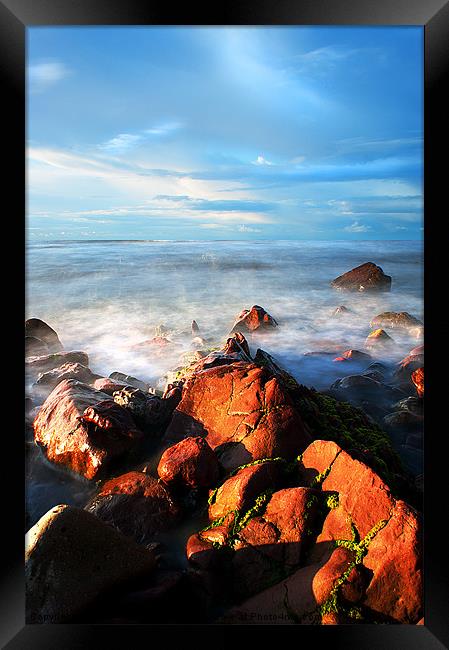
(136, 504)
(244, 413)
(395, 320)
(353, 355)
(156, 341)
(418, 379)
(36, 365)
(240, 491)
(318, 456)
(201, 553)
(394, 556)
(253, 319)
(408, 365)
(418, 350)
(190, 462)
(40, 330)
(72, 442)
(364, 278)
(108, 386)
(235, 349)
(361, 492)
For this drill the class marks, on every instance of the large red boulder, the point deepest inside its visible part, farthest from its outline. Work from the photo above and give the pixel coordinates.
(253, 319)
(137, 504)
(239, 491)
(418, 379)
(69, 439)
(40, 330)
(394, 557)
(365, 278)
(191, 462)
(243, 411)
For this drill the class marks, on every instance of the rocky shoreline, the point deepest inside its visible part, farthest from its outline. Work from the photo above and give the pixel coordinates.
(236, 494)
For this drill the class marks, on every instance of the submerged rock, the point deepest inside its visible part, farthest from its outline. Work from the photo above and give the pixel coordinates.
(39, 329)
(247, 414)
(71, 559)
(68, 438)
(378, 339)
(395, 320)
(190, 463)
(365, 278)
(250, 320)
(340, 311)
(136, 504)
(353, 355)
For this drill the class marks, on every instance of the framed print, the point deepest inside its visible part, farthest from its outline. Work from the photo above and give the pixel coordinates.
(229, 241)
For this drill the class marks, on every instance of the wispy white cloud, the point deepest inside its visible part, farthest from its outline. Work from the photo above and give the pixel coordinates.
(121, 142)
(44, 75)
(261, 160)
(164, 129)
(357, 227)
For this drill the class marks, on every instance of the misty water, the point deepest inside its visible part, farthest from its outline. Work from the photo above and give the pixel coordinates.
(104, 297)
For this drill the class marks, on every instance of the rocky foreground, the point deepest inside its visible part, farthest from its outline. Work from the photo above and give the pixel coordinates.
(235, 496)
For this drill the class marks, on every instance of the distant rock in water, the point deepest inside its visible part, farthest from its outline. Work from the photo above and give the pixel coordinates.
(378, 338)
(253, 319)
(40, 330)
(340, 311)
(365, 278)
(353, 355)
(395, 320)
(195, 328)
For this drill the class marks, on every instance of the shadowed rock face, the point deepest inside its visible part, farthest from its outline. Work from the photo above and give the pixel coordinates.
(36, 365)
(72, 558)
(137, 504)
(39, 329)
(244, 413)
(365, 278)
(70, 439)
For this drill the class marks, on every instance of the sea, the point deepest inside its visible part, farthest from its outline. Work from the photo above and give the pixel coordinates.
(104, 297)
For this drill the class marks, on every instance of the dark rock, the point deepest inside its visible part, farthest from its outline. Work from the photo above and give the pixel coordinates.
(35, 347)
(36, 365)
(112, 419)
(353, 355)
(362, 387)
(70, 440)
(71, 559)
(48, 380)
(250, 320)
(395, 320)
(364, 278)
(150, 412)
(136, 504)
(191, 462)
(128, 380)
(407, 366)
(39, 329)
(340, 311)
(404, 420)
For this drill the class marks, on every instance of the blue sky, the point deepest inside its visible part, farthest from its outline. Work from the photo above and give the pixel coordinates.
(224, 133)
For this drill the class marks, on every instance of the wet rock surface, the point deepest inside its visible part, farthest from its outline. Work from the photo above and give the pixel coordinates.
(38, 329)
(250, 320)
(365, 278)
(191, 462)
(72, 559)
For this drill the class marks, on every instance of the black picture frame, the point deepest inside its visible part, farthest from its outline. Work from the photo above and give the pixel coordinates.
(433, 15)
